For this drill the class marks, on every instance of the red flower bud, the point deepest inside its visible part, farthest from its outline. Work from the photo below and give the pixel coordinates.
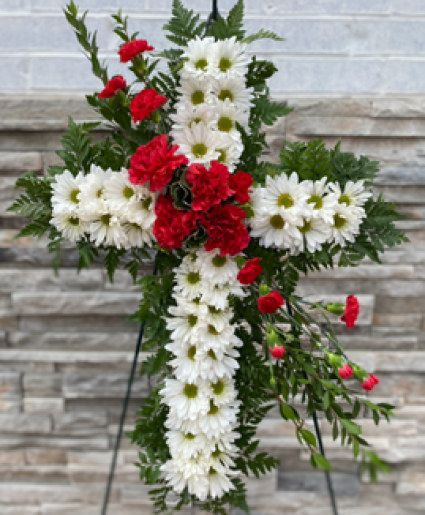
(270, 303)
(250, 271)
(132, 49)
(370, 382)
(112, 87)
(352, 310)
(345, 372)
(277, 351)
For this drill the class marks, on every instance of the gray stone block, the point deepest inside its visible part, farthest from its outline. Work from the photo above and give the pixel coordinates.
(43, 405)
(15, 73)
(79, 424)
(42, 385)
(89, 385)
(45, 456)
(11, 162)
(23, 423)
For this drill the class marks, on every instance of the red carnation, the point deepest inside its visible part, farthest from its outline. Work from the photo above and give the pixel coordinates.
(240, 184)
(270, 302)
(145, 103)
(351, 313)
(132, 49)
(155, 162)
(226, 230)
(250, 271)
(113, 86)
(277, 351)
(370, 382)
(345, 372)
(172, 226)
(209, 187)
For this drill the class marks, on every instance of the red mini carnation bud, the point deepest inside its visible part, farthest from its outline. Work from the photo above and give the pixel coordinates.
(113, 86)
(145, 103)
(345, 372)
(250, 271)
(277, 351)
(155, 162)
(270, 303)
(240, 184)
(209, 187)
(132, 49)
(352, 310)
(370, 382)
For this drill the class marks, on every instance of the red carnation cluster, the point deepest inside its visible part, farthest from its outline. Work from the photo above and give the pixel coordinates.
(345, 372)
(226, 230)
(351, 313)
(145, 103)
(370, 382)
(172, 225)
(132, 49)
(113, 86)
(155, 162)
(209, 187)
(250, 271)
(270, 302)
(240, 184)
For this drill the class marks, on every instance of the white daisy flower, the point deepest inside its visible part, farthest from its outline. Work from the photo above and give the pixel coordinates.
(186, 364)
(200, 58)
(217, 341)
(107, 230)
(314, 233)
(227, 117)
(213, 368)
(284, 196)
(231, 59)
(69, 224)
(195, 91)
(188, 400)
(180, 473)
(189, 307)
(215, 268)
(183, 326)
(321, 199)
(120, 193)
(92, 199)
(66, 191)
(223, 392)
(189, 282)
(186, 425)
(137, 236)
(218, 420)
(353, 194)
(346, 226)
(234, 90)
(275, 231)
(185, 445)
(229, 151)
(219, 483)
(218, 295)
(188, 115)
(219, 318)
(198, 143)
(142, 210)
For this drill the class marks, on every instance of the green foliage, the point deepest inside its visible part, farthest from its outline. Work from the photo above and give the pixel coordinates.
(262, 34)
(184, 25)
(224, 28)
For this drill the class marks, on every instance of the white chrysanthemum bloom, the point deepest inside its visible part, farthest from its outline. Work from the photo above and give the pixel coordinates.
(275, 231)
(185, 445)
(66, 191)
(229, 152)
(223, 392)
(92, 199)
(346, 226)
(234, 90)
(217, 295)
(219, 318)
(314, 233)
(225, 443)
(195, 91)
(213, 368)
(219, 483)
(189, 282)
(200, 58)
(232, 61)
(188, 115)
(218, 420)
(321, 199)
(188, 400)
(176, 422)
(183, 326)
(285, 196)
(227, 117)
(186, 364)
(190, 307)
(198, 143)
(107, 230)
(142, 211)
(120, 193)
(216, 268)
(180, 473)
(256, 202)
(354, 193)
(69, 224)
(137, 236)
(217, 341)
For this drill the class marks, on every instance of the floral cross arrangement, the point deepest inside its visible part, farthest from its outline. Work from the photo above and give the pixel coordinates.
(179, 178)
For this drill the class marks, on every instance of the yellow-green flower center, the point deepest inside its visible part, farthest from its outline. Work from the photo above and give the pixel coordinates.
(198, 97)
(196, 121)
(224, 94)
(146, 203)
(222, 156)
(192, 319)
(277, 222)
(213, 408)
(106, 219)
(216, 453)
(99, 193)
(212, 471)
(225, 64)
(191, 391)
(74, 196)
(212, 330)
(193, 278)
(199, 150)
(344, 199)
(201, 64)
(219, 261)
(189, 436)
(218, 387)
(339, 221)
(191, 353)
(212, 355)
(285, 200)
(316, 200)
(128, 192)
(73, 220)
(306, 227)
(213, 310)
(225, 124)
